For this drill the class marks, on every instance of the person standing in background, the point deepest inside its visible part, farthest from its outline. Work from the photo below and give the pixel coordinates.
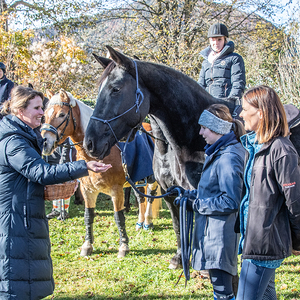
(6, 86)
(223, 71)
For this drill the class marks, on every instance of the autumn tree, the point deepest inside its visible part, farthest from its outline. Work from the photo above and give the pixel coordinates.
(63, 15)
(173, 32)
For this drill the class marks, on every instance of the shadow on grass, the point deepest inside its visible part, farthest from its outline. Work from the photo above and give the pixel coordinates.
(137, 252)
(123, 297)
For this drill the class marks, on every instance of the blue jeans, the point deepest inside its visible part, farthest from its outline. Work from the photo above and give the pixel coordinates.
(256, 283)
(222, 284)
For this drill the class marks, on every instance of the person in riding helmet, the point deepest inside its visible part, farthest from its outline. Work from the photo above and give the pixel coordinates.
(6, 85)
(223, 71)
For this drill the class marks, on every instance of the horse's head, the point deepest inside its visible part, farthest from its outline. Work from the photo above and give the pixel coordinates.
(59, 120)
(122, 104)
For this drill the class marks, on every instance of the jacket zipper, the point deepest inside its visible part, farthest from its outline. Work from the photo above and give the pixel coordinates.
(25, 207)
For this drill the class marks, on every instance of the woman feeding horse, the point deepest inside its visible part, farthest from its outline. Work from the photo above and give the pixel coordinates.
(25, 255)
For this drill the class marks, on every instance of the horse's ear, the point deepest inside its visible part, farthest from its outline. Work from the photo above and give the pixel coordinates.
(104, 62)
(63, 96)
(120, 58)
(49, 94)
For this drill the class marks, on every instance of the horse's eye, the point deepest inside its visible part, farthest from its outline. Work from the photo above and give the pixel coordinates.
(61, 115)
(115, 89)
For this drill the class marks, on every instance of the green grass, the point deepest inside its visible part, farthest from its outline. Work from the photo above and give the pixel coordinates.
(143, 273)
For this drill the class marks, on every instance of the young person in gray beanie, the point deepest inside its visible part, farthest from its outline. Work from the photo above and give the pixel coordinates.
(217, 199)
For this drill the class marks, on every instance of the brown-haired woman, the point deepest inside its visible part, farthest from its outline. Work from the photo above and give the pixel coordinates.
(270, 209)
(26, 266)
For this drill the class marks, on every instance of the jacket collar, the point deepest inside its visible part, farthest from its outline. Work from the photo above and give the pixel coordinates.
(228, 48)
(11, 125)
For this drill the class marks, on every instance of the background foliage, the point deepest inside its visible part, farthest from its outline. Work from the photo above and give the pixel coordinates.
(171, 32)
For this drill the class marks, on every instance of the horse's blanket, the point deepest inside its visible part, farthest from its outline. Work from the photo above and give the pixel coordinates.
(138, 156)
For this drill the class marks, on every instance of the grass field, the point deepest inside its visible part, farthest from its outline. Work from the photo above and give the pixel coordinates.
(143, 273)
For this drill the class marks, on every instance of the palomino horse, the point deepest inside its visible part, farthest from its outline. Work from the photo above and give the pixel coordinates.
(129, 91)
(65, 117)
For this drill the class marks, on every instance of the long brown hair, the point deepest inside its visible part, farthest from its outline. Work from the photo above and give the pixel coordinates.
(20, 98)
(222, 112)
(273, 122)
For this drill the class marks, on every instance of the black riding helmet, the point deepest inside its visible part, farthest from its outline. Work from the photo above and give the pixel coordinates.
(2, 66)
(217, 29)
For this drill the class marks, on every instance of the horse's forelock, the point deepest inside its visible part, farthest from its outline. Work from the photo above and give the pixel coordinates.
(56, 100)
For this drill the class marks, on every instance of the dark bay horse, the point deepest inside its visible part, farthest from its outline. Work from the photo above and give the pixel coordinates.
(68, 117)
(130, 90)
(173, 102)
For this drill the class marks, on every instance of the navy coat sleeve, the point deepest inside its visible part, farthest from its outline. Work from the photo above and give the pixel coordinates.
(238, 77)
(230, 179)
(287, 171)
(201, 80)
(22, 157)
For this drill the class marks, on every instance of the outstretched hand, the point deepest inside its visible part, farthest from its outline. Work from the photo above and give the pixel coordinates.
(97, 166)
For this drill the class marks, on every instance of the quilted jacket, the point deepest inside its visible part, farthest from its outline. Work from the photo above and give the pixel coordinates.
(25, 262)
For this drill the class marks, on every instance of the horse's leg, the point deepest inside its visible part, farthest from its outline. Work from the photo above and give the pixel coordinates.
(117, 196)
(78, 195)
(142, 208)
(152, 191)
(175, 262)
(90, 204)
(127, 192)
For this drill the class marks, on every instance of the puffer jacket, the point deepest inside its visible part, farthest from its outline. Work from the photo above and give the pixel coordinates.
(25, 262)
(215, 243)
(6, 86)
(273, 223)
(225, 77)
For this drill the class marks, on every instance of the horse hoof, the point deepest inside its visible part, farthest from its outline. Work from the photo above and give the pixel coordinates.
(139, 225)
(148, 227)
(175, 262)
(123, 250)
(86, 249)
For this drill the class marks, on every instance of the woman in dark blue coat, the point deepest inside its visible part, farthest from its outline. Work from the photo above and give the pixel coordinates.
(223, 71)
(25, 262)
(217, 199)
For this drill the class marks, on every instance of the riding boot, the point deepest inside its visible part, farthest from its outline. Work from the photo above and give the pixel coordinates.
(88, 221)
(120, 221)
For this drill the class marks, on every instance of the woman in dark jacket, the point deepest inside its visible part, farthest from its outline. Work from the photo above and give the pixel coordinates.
(223, 71)
(26, 266)
(217, 199)
(270, 209)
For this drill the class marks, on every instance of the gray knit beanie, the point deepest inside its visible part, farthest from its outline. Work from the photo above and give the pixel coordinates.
(215, 124)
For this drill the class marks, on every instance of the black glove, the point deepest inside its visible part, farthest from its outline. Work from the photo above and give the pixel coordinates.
(173, 190)
(191, 196)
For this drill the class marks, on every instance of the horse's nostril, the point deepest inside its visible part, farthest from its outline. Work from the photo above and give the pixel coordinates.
(90, 146)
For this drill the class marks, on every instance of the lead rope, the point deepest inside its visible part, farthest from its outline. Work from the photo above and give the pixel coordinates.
(186, 218)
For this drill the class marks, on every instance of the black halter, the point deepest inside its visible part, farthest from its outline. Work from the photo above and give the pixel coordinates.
(66, 120)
